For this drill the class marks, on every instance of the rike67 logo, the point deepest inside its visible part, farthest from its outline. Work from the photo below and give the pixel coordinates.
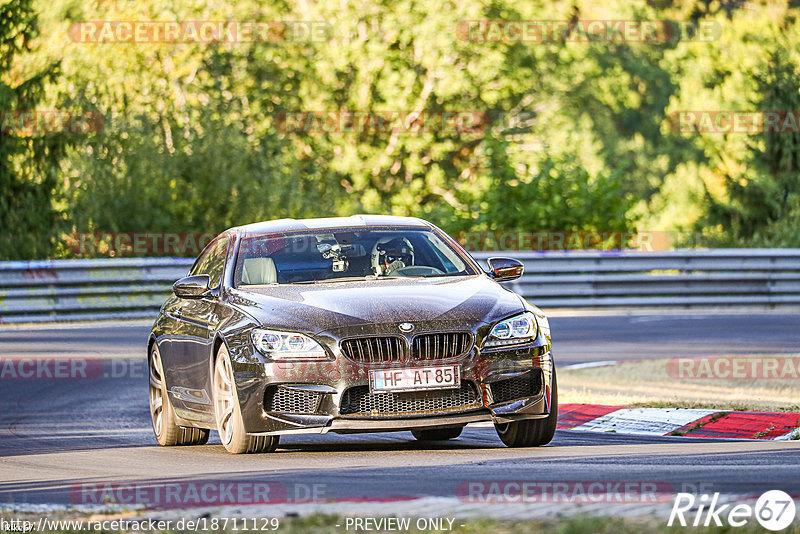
(774, 510)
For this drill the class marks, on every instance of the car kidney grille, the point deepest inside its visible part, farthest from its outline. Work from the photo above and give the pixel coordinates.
(388, 349)
(442, 346)
(285, 400)
(359, 401)
(526, 385)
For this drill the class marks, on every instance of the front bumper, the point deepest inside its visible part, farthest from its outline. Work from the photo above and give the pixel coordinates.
(334, 396)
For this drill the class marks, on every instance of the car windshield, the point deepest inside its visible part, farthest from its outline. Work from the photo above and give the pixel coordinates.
(317, 256)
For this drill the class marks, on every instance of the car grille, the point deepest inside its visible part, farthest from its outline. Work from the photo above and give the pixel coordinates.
(443, 346)
(526, 385)
(390, 349)
(284, 400)
(359, 401)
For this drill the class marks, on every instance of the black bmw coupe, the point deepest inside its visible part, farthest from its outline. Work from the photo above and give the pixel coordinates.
(354, 324)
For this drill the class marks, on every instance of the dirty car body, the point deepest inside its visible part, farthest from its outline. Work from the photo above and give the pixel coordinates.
(329, 329)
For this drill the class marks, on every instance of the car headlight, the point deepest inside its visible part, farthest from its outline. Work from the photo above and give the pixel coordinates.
(519, 329)
(279, 345)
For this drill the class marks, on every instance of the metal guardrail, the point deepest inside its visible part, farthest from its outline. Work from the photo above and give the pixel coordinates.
(74, 290)
(675, 278)
(59, 290)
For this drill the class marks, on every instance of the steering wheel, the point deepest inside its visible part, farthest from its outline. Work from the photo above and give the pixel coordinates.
(417, 270)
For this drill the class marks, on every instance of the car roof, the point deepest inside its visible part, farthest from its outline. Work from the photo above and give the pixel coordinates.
(288, 225)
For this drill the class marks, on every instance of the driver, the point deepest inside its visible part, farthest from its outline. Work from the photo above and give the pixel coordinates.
(390, 255)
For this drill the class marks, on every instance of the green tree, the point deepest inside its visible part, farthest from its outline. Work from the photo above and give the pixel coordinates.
(579, 135)
(763, 206)
(29, 222)
(558, 195)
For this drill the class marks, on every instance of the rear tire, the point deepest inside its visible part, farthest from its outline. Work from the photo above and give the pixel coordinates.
(228, 413)
(437, 434)
(532, 432)
(168, 432)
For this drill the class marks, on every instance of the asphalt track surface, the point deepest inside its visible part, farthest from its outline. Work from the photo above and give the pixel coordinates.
(57, 434)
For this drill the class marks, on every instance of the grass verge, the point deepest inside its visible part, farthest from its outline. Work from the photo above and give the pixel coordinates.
(648, 384)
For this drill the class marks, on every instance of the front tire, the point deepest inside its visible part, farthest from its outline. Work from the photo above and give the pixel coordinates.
(437, 434)
(532, 432)
(168, 432)
(228, 413)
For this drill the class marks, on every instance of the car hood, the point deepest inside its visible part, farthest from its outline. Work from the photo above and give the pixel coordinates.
(464, 302)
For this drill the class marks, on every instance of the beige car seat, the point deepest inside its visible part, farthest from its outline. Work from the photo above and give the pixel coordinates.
(259, 271)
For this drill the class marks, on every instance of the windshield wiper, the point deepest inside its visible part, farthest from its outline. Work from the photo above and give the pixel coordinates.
(371, 277)
(327, 280)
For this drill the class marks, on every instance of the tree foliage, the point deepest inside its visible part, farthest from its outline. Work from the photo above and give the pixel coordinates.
(763, 205)
(578, 136)
(29, 186)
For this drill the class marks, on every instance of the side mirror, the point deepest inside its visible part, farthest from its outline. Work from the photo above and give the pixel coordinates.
(192, 287)
(505, 269)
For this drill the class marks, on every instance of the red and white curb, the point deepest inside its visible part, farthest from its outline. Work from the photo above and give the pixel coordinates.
(679, 421)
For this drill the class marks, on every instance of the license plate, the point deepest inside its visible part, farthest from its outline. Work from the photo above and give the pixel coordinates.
(414, 379)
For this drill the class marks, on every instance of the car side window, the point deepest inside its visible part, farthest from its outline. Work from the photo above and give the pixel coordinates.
(202, 259)
(216, 262)
(212, 261)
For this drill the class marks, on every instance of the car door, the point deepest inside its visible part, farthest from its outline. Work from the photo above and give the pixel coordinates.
(198, 319)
